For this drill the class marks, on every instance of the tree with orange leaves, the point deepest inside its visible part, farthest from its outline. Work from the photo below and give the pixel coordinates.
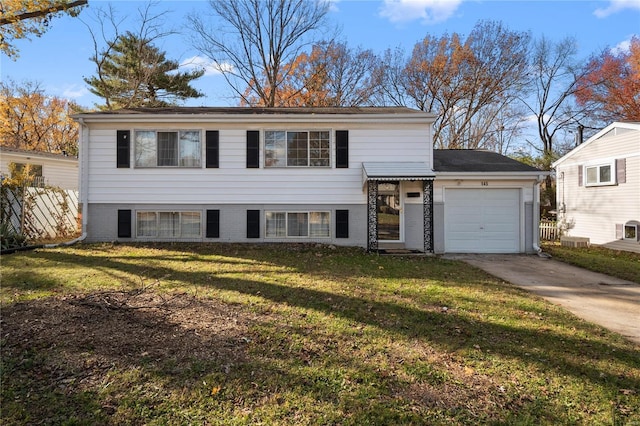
(331, 75)
(34, 121)
(612, 83)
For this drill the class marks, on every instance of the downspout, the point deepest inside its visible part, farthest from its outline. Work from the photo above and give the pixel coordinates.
(82, 187)
(536, 216)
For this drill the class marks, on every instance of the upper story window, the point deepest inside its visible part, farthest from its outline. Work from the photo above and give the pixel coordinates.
(167, 148)
(297, 148)
(601, 174)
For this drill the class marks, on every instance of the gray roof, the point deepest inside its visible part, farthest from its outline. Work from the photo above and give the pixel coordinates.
(260, 110)
(42, 154)
(471, 160)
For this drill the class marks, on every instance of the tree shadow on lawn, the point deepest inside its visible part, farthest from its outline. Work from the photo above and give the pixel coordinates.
(466, 338)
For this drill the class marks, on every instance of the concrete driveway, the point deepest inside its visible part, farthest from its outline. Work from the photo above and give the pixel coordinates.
(598, 298)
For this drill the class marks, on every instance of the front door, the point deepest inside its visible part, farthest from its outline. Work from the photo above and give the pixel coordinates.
(389, 208)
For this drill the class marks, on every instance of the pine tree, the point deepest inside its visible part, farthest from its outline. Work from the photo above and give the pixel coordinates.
(132, 72)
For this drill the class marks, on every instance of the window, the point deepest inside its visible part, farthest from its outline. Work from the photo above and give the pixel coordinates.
(31, 173)
(168, 224)
(631, 231)
(296, 149)
(601, 174)
(167, 148)
(297, 224)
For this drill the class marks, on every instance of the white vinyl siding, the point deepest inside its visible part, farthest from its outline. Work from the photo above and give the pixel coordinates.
(593, 212)
(61, 171)
(233, 183)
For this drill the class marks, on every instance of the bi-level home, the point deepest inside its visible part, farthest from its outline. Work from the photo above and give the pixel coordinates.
(345, 176)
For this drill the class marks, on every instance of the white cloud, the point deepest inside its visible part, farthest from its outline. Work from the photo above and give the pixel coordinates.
(616, 6)
(73, 91)
(622, 47)
(210, 67)
(428, 11)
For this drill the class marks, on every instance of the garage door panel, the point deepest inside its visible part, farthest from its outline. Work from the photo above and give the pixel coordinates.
(482, 220)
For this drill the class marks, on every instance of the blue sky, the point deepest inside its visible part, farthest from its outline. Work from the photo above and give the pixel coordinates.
(60, 58)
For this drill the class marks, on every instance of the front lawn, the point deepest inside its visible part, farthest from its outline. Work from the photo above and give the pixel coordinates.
(294, 334)
(617, 263)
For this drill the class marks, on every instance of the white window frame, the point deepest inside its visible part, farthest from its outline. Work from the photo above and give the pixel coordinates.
(154, 150)
(284, 231)
(598, 174)
(158, 232)
(630, 226)
(284, 162)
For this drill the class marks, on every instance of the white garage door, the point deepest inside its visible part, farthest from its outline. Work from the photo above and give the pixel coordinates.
(482, 220)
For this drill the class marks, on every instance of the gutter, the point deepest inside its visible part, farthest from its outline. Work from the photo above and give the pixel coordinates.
(83, 182)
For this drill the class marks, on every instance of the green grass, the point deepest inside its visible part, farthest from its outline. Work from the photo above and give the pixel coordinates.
(295, 334)
(617, 263)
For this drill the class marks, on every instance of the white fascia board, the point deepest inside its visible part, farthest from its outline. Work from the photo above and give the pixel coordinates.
(256, 118)
(492, 175)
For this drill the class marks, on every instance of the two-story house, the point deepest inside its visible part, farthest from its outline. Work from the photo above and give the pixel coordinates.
(345, 176)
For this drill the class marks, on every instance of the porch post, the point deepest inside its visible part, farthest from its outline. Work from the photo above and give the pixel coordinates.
(427, 217)
(372, 215)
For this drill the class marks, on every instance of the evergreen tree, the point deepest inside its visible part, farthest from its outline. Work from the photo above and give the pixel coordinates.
(131, 72)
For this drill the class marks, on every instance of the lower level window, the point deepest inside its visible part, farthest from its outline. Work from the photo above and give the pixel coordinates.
(168, 224)
(297, 224)
(631, 232)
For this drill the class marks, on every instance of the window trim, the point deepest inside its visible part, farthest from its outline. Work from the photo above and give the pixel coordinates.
(598, 166)
(286, 224)
(286, 149)
(157, 228)
(136, 150)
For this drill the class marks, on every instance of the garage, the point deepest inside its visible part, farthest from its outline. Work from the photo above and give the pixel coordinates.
(482, 220)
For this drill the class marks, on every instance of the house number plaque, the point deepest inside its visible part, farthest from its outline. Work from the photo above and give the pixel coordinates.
(484, 183)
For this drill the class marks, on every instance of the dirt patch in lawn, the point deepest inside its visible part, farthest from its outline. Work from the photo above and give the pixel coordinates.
(76, 340)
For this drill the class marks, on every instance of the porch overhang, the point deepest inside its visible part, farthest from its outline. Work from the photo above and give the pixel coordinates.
(396, 171)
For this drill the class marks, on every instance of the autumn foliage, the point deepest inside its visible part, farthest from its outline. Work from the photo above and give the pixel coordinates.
(23, 18)
(613, 83)
(33, 121)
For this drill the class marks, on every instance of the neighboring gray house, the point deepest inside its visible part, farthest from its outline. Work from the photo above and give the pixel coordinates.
(598, 186)
(50, 169)
(347, 176)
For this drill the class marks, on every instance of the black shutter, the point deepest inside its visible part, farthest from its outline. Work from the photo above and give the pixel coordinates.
(342, 149)
(124, 223)
(253, 149)
(580, 175)
(212, 149)
(621, 170)
(123, 148)
(342, 223)
(213, 223)
(253, 223)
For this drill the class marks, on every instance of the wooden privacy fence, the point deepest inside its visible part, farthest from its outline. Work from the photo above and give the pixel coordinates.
(549, 230)
(39, 213)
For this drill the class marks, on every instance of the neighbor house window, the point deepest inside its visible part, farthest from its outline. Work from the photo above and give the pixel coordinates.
(168, 224)
(296, 148)
(32, 173)
(601, 174)
(167, 148)
(297, 224)
(631, 231)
